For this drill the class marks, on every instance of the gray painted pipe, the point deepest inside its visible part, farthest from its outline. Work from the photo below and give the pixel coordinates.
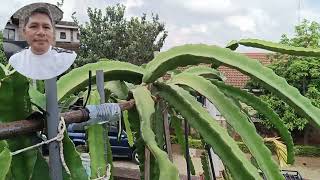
(53, 119)
(100, 88)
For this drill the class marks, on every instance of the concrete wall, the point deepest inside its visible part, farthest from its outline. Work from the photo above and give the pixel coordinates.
(68, 35)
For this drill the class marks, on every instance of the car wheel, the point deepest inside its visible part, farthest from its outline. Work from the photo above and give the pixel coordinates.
(135, 157)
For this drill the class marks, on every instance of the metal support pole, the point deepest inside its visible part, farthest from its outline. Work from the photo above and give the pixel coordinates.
(146, 163)
(186, 132)
(167, 133)
(211, 162)
(100, 85)
(100, 88)
(55, 165)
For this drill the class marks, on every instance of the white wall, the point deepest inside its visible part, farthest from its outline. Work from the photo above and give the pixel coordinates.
(16, 28)
(75, 36)
(212, 109)
(68, 35)
(217, 163)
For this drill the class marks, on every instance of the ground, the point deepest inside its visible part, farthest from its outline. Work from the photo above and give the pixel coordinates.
(308, 167)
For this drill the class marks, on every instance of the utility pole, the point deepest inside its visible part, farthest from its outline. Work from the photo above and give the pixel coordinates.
(299, 11)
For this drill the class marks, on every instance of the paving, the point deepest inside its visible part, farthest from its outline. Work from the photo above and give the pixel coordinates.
(308, 167)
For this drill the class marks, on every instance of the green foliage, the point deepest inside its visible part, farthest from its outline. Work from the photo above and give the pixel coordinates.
(311, 151)
(300, 72)
(262, 108)
(5, 161)
(151, 87)
(77, 79)
(73, 161)
(200, 53)
(200, 119)
(128, 128)
(145, 107)
(41, 168)
(193, 143)
(176, 124)
(308, 151)
(133, 117)
(15, 104)
(235, 118)
(96, 134)
(205, 165)
(110, 35)
(275, 47)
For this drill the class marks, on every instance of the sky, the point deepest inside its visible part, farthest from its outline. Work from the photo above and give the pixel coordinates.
(200, 21)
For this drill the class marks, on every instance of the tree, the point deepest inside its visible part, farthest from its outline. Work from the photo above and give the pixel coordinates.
(112, 36)
(300, 72)
(3, 59)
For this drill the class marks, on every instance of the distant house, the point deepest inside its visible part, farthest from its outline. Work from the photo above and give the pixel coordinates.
(67, 34)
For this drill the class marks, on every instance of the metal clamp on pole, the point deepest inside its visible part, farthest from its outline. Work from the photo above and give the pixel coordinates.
(99, 114)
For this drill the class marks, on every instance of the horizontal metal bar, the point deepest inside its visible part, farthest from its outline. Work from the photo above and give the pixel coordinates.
(21, 127)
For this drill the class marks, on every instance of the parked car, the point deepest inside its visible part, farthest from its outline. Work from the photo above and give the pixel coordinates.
(119, 148)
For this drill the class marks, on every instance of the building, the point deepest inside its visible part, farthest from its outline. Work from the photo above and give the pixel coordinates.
(67, 34)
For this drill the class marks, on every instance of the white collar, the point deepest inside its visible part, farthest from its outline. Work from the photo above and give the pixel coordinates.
(44, 66)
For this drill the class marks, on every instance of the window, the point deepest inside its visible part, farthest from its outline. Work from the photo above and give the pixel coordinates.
(78, 36)
(63, 35)
(9, 34)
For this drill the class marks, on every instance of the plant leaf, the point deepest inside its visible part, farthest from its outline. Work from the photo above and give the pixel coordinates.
(206, 72)
(145, 107)
(41, 168)
(133, 117)
(37, 97)
(96, 143)
(15, 105)
(128, 128)
(233, 45)
(200, 119)
(77, 79)
(119, 88)
(276, 47)
(176, 123)
(158, 124)
(263, 108)
(68, 102)
(5, 162)
(236, 119)
(199, 53)
(73, 160)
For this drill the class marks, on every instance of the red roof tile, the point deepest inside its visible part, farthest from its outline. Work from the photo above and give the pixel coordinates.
(237, 79)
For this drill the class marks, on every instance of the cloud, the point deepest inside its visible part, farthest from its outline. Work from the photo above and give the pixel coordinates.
(133, 4)
(199, 21)
(206, 6)
(244, 23)
(310, 15)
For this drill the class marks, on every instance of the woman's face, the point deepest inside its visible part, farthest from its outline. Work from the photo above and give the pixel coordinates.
(39, 33)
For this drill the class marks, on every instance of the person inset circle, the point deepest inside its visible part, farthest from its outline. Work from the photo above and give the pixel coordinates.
(41, 60)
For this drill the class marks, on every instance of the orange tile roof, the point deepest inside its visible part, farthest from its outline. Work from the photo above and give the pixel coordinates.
(236, 78)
